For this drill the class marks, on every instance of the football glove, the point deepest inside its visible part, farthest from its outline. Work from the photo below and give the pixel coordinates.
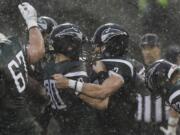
(29, 14)
(172, 126)
(169, 131)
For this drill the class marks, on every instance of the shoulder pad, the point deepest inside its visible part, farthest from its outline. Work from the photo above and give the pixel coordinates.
(127, 63)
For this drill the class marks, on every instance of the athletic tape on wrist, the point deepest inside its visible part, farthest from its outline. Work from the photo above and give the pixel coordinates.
(72, 84)
(31, 24)
(79, 86)
(76, 85)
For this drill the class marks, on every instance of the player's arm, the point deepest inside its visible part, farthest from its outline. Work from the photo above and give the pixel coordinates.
(35, 49)
(107, 88)
(99, 104)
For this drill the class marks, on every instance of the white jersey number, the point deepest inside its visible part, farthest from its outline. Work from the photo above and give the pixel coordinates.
(52, 91)
(19, 79)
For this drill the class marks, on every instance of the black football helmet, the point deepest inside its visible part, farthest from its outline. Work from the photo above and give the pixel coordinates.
(113, 37)
(46, 24)
(158, 75)
(67, 39)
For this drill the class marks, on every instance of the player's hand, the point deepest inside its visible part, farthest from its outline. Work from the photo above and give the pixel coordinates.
(99, 66)
(169, 131)
(29, 14)
(60, 80)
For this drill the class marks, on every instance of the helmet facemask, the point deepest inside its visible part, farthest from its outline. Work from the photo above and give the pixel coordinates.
(68, 46)
(115, 47)
(158, 77)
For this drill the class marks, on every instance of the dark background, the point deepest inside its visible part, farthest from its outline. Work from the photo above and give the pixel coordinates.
(89, 14)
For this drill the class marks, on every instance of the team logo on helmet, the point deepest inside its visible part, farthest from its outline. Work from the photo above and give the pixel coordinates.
(70, 32)
(109, 33)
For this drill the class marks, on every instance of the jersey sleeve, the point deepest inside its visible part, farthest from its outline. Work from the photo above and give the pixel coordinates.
(174, 98)
(127, 73)
(122, 67)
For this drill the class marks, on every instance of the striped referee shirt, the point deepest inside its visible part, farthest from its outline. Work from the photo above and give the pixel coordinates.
(151, 109)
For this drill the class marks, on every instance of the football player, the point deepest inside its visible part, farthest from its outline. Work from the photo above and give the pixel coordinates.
(162, 78)
(67, 108)
(36, 106)
(116, 75)
(46, 25)
(15, 118)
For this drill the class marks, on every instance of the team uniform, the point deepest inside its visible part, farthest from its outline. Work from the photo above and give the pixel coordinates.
(45, 25)
(118, 118)
(15, 118)
(112, 42)
(73, 115)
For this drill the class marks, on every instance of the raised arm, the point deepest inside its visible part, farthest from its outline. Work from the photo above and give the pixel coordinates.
(35, 49)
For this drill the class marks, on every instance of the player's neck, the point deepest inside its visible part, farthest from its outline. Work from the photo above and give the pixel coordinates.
(61, 58)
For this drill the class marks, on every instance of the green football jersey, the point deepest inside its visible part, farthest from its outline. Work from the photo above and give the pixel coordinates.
(15, 117)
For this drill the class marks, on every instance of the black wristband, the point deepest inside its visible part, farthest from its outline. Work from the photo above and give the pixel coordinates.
(102, 75)
(75, 87)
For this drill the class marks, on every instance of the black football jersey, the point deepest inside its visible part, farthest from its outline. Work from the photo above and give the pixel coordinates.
(64, 99)
(122, 104)
(70, 112)
(120, 66)
(173, 96)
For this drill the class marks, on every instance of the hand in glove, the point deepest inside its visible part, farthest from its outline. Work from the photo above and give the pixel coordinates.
(29, 14)
(172, 126)
(169, 131)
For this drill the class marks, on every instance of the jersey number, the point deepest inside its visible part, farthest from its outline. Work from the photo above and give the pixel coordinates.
(18, 77)
(116, 69)
(52, 91)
